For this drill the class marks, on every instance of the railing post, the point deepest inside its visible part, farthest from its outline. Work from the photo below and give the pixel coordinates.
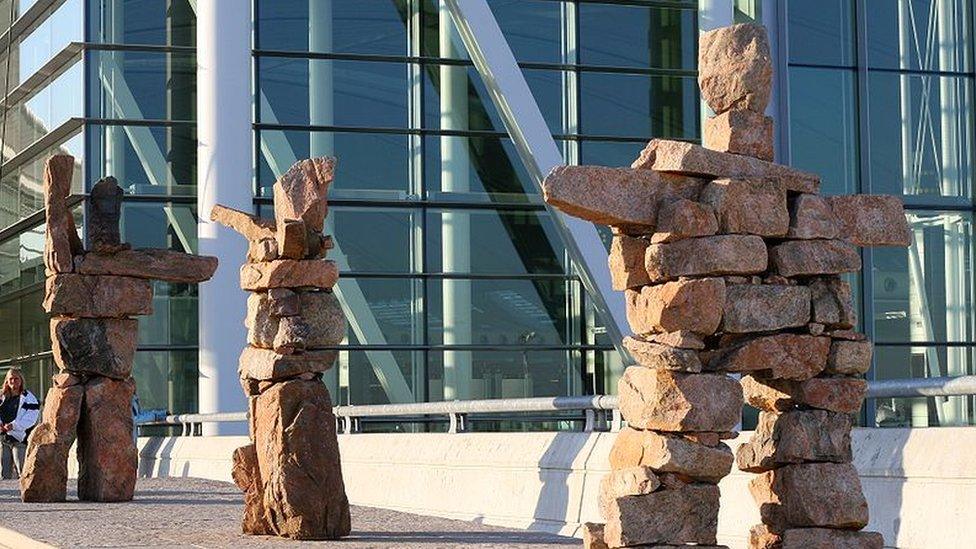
(590, 422)
(617, 422)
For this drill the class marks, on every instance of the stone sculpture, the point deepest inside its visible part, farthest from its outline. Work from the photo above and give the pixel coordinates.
(290, 473)
(92, 296)
(731, 264)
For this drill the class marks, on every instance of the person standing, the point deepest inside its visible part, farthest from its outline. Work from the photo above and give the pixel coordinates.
(19, 410)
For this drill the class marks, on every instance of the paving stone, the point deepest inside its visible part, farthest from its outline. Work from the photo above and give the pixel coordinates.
(107, 455)
(670, 401)
(61, 241)
(795, 437)
(683, 218)
(650, 519)
(810, 494)
(743, 132)
(87, 296)
(681, 157)
(99, 346)
(814, 257)
(289, 273)
(765, 308)
(836, 394)
(748, 206)
(812, 217)
(620, 197)
(626, 262)
(781, 356)
(735, 70)
(832, 303)
(851, 358)
(670, 454)
(655, 355)
(302, 192)
(167, 265)
(693, 305)
(872, 220)
(706, 256)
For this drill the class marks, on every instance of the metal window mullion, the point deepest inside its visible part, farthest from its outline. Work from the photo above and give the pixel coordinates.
(417, 146)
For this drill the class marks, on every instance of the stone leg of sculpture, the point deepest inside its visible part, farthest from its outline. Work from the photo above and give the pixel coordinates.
(298, 457)
(107, 456)
(247, 476)
(45, 474)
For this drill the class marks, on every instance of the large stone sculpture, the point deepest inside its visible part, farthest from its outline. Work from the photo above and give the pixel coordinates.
(732, 264)
(290, 473)
(92, 296)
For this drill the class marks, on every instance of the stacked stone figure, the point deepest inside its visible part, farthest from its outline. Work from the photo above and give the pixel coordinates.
(92, 296)
(290, 473)
(733, 264)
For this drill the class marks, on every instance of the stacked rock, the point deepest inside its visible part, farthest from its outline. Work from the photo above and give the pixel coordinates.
(290, 473)
(732, 264)
(93, 296)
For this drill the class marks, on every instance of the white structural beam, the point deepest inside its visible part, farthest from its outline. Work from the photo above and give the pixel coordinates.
(224, 155)
(523, 120)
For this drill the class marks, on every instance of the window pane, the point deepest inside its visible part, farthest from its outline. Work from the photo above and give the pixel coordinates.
(341, 26)
(933, 35)
(146, 160)
(25, 329)
(466, 104)
(638, 36)
(499, 312)
(51, 36)
(171, 23)
(46, 109)
(174, 320)
(507, 242)
(610, 153)
(821, 33)
(823, 127)
(359, 376)
(160, 225)
(372, 239)
(532, 28)
(166, 380)
(636, 105)
(504, 374)
(925, 293)
(142, 85)
(357, 175)
(332, 93)
(381, 311)
(921, 134)
(473, 168)
(920, 362)
(22, 189)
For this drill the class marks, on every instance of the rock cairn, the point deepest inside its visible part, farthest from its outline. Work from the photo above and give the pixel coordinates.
(731, 264)
(290, 473)
(92, 296)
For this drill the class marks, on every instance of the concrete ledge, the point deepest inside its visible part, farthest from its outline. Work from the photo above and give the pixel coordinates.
(920, 483)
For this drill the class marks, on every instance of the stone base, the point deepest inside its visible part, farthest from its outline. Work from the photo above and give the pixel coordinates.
(45, 472)
(107, 455)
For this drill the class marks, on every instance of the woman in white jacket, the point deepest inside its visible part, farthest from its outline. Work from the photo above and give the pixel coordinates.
(18, 414)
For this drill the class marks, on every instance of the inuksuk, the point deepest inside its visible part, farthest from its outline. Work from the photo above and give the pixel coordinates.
(732, 264)
(92, 296)
(290, 473)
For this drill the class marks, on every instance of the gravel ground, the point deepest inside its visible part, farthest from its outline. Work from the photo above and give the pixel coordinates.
(202, 513)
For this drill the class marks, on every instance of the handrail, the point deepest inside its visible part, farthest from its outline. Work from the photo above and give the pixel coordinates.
(596, 408)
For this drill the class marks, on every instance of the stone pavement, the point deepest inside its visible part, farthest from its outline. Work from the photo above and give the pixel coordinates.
(182, 512)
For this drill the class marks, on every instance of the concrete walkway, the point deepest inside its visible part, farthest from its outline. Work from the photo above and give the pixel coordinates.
(181, 512)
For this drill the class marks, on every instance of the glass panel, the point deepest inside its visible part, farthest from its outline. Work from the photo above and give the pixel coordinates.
(142, 85)
(332, 93)
(507, 242)
(146, 160)
(822, 33)
(358, 174)
(921, 130)
(166, 380)
(499, 312)
(382, 311)
(919, 362)
(933, 35)
(174, 320)
(358, 382)
(469, 168)
(65, 25)
(22, 189)
(610, 153)
(372, 239)
(376, 27)
(505, 374)
(466, 105)
(22, 260)
(45, 110)
(925, 293)
(25, 327)
(823, 127)
(160, 225)
(532, 28)
(637, 105)
(171, 23)
(638, 36)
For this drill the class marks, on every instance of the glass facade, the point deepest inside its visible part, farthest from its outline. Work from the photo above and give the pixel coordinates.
(881, 101)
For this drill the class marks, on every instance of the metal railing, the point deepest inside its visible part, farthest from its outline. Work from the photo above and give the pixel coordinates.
(597, 411)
